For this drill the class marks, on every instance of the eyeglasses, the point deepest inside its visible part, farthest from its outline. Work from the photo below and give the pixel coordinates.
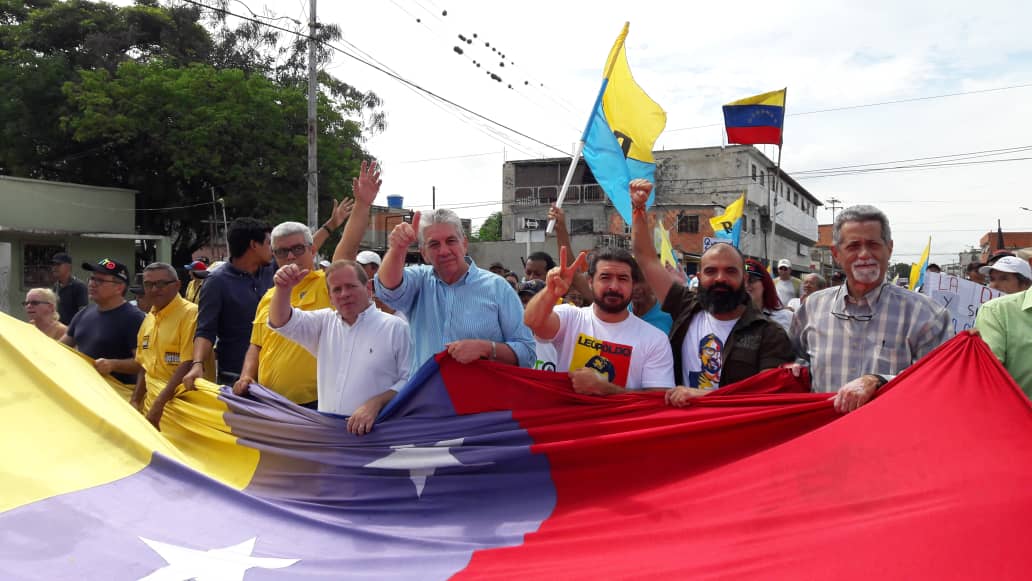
(847, 317)
(35, 303)
(158, 284)
(296, 250)
(96, 280)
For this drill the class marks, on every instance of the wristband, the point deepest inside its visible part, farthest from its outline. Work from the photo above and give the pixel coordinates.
(328, 231)
(201, 363)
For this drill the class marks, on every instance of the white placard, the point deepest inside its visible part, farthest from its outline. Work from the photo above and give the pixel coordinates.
(961, 297)
(709, 241)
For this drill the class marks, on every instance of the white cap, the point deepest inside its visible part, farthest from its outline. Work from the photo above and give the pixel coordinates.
(368, 257)
(1011, 264)
(785, 262)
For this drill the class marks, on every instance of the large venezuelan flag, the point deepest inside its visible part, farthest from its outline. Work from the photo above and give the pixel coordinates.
(624, 125)
(757, 119)
(485, 471)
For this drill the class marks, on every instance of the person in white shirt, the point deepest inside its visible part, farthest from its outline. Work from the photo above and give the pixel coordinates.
(605, 348)
(362, 353)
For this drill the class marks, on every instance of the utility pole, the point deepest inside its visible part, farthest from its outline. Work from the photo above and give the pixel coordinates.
(313, 154)
(833, 204)
(433, 197)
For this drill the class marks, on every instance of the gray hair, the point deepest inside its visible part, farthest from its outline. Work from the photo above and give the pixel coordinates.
(289, 229)
(440, 216)
(155, 266)
(51, 298)
(821, 283)
(861, 213)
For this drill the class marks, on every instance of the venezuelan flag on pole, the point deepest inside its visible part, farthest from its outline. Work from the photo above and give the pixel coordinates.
(917, 270)
(728, 226)
(757, 119)
(624, 125)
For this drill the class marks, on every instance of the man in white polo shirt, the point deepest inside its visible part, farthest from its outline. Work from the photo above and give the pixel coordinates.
(361, 353)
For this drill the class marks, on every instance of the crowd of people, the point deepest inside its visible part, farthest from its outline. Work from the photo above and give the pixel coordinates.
(343, 336)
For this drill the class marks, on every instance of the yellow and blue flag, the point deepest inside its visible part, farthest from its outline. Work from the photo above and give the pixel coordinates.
(624, 125)
(917, 270)
(728, 226)
(666, 249)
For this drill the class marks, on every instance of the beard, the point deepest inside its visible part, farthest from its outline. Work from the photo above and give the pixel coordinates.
(721, 298)
(610, 307)
(866, 272)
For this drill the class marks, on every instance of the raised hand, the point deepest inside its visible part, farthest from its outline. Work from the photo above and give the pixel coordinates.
(288, 276)
(559, 279)
(341, 211)
(640, 191)
(367, 185)
(404, 235)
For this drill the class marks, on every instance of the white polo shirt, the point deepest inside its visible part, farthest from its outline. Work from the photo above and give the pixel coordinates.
(353, 362)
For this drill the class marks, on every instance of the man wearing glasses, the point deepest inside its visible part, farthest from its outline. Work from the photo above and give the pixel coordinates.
(164, 344)
(856, 336)
(106, 330)
(273, 360)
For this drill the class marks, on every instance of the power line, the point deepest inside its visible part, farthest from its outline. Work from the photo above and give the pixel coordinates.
(380, 70)
(868, 105)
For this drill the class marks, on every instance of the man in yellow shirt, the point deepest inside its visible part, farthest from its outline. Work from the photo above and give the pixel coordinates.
(164, 343)
(273, 360)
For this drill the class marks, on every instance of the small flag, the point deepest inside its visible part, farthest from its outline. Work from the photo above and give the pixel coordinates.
(728, 226)
(757, 119)
(917, 271)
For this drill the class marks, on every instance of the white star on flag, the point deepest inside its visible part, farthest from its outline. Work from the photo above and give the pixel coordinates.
(225, 564)
(419, 461)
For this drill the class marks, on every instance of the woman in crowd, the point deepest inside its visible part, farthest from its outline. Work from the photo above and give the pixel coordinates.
(41, 307)
(764, 296)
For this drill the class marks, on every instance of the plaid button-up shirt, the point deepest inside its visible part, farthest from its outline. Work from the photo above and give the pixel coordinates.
(882, 333)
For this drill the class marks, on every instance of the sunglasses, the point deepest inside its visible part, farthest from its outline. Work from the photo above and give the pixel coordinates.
(296, 250)
(158, 284)
(35, 303)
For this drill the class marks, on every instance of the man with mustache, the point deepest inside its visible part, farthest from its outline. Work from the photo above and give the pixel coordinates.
(718, 337)
(856, 336)
(605, 348)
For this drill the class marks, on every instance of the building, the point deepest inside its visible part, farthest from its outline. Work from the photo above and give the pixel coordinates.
(1012, 241)
(821, 260)
(692, 186)
(42, 218)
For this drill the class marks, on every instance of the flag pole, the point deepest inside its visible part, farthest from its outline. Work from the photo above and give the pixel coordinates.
(772, 200)
(587, 126)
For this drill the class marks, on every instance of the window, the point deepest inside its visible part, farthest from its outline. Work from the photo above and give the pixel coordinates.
(548, 195)
(745, 223)
(36, 264)
(572, 195)
(688, 224)
(763, 176)
(795, 198)
(586, 226)
(526, 197)
(592, 193)
(754, 172)
(800, 249)
(753, 224)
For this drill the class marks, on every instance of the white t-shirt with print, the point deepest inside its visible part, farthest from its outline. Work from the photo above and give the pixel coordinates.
(545, 355)
(632, 353)
(705, 340)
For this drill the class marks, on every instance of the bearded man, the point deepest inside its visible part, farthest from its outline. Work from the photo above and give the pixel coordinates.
(718, 337)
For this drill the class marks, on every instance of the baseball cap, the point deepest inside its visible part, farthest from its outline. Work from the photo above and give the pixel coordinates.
(108, 266)
(998, 255)
(61, 258)
(752, 269)
(785, 262)
(196, 265)
(1011, 264)
(368, 257)
(531, 287)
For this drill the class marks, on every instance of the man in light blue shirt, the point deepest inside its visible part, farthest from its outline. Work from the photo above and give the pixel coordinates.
(451, 304)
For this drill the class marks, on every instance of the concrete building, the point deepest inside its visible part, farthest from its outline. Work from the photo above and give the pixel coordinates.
(692, 186)
(1012, 241)
(42, 218)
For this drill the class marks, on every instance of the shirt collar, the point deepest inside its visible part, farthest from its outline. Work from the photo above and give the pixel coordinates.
(171, 306)
(1026, 303)
(872, 297)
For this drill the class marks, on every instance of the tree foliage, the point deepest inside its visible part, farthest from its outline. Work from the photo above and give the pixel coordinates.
(171, 101)
(491, 229)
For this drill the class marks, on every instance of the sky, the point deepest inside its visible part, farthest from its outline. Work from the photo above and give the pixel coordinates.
(692, 57)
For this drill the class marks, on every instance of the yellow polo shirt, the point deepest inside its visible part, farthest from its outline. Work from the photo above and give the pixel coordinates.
(164, 341)
(284, 366)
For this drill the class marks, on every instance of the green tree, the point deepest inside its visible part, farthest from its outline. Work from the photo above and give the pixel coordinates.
(491, 229)
(172, 102)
